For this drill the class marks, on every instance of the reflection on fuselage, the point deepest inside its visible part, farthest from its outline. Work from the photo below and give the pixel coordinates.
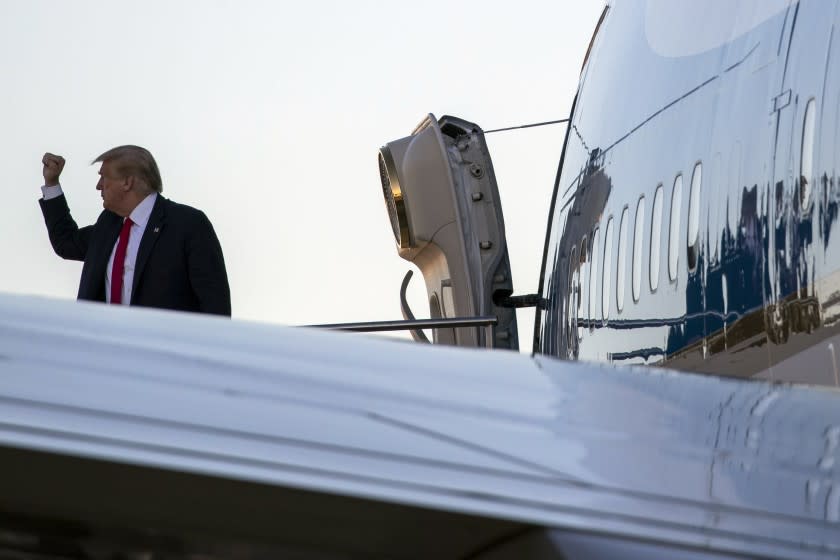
(732, 151)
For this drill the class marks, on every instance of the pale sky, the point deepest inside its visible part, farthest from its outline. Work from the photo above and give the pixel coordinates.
(267, 115)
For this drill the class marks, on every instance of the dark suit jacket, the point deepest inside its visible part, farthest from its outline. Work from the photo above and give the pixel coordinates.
(179, 263)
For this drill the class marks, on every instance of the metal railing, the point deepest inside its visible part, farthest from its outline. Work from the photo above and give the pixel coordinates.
(488, 322)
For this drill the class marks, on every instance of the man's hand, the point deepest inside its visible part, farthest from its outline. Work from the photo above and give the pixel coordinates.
(53, 165)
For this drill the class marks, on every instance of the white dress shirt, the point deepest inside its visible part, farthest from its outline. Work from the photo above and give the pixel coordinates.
(140, 217)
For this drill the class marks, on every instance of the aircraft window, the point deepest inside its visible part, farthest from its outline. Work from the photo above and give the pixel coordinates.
(694, 216)
(674, 234)
(732, 207)
(637, 249)
(573, 292)
(593, 276)
(655, 238)
(716, 185)
(622, 265)
(605, 288)
(582, 270)
(807, 161)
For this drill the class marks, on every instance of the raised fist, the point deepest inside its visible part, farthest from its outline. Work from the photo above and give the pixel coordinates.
(53, 165)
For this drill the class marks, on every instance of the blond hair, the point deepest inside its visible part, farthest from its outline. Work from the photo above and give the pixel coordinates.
(134, 161)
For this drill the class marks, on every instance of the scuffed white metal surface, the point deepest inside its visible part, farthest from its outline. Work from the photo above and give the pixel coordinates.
(680, 457)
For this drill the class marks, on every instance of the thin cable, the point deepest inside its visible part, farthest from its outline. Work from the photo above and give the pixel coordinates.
(525, 126)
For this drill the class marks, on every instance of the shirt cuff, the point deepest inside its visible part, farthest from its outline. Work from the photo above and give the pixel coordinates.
(51, 192)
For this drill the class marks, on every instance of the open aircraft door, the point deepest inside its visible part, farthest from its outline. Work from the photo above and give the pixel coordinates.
(443, 201)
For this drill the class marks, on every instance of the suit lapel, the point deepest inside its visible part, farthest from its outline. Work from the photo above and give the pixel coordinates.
(157, 220)
(92, 285)
(104, 250)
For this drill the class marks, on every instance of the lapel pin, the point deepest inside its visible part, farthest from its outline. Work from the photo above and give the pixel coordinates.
(157, 229)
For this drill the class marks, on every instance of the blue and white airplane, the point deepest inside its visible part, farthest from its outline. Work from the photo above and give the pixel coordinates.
(696, 201)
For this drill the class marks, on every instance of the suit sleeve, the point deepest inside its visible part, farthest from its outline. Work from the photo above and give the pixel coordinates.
(68, 240)
(206, 265)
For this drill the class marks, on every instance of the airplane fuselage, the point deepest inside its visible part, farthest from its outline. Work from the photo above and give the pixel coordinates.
(694, 219)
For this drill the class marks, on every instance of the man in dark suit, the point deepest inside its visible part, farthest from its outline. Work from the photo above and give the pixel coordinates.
(143, 249)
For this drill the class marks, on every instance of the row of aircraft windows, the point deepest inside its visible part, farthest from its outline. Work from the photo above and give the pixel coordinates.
(655, 239)
(654, 244)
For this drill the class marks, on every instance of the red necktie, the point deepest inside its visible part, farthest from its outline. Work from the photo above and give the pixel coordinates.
(119, 263)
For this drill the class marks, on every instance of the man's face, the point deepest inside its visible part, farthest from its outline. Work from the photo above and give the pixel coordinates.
(112, 187)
